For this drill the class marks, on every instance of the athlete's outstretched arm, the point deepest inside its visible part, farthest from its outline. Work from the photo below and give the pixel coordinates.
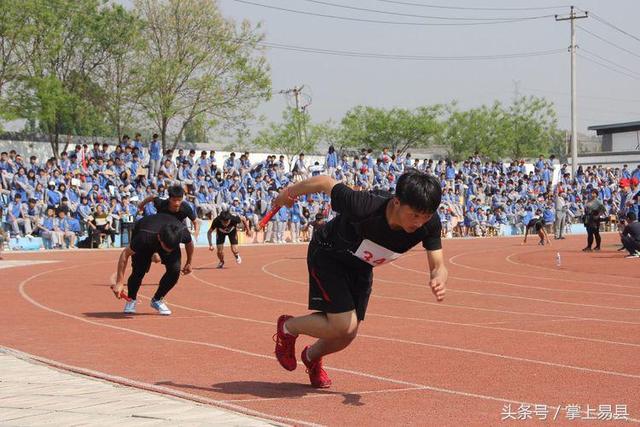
(315, 184)
(245, 224)
(439, 273)
(144, 202)
(209, 233)
(122, 268)
(189, 249)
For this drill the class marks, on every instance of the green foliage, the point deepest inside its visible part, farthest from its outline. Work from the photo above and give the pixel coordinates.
(293, 136)
(526, 128)
(197, 64)
(397, 129)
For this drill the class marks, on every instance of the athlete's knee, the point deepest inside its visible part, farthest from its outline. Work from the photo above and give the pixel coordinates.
(344, 325)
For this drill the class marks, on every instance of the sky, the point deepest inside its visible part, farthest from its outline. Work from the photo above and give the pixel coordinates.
(607, 93)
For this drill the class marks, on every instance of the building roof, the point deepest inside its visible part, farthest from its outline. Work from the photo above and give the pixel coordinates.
(616, 128)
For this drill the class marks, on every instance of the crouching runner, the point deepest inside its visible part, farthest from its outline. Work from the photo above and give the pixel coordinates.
(156, 234)
(370, 229)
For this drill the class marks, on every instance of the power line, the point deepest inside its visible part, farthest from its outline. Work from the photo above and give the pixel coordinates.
(605, 22)
(609, 61)
(358, 54)
(404, 3)
(411, 15)
(582, 96)
(376, 21)
(608, 67)
(607, 41)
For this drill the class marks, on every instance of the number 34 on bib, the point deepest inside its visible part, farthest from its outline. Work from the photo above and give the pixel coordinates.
(374, 254)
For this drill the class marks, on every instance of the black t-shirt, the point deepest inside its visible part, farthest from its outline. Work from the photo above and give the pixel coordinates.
(536, 223)
(217, 225)
(185, 211)
(144, 238)
(361, 234)
(632, 230)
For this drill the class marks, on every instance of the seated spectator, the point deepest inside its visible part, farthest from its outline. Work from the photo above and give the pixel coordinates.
(48, 230)
(65, 227)
(18, 216)
(100, 224)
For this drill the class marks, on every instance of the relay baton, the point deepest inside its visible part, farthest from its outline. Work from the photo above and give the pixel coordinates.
(263, 222)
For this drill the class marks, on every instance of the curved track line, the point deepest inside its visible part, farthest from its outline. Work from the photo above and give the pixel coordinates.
(514, 285)
(21, 289)
(553, 279)
(23, 293)
(463, 307)
(508, 259)
(549, 301)
(444, 322)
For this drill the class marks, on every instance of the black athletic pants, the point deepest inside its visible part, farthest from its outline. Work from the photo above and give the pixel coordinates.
(140, 265)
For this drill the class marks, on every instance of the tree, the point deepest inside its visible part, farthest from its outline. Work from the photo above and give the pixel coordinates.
(198, 64)
(534, 128)
(478, 129)
(397, 129)
(13, 31)
(119, 75)
(68, 41)
(293, 136)
(526, 128)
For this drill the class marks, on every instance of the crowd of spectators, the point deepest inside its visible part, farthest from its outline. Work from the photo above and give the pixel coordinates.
(90, 195)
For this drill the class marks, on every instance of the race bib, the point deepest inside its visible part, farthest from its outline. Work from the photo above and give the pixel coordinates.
(374, 254)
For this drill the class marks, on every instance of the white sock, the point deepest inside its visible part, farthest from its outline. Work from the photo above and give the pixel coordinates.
(286, 331)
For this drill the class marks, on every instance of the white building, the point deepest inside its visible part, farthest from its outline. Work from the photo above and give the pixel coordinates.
(620, 145)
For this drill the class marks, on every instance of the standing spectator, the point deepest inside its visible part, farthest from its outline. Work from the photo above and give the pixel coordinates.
(561, 215)
(593, 211)
(155, 154)
(331, 160)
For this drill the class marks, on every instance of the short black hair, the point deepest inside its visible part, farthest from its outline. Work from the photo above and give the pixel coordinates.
(176, 191)
(225, 216)
(170, 235)
(631, 216)
(419, 190)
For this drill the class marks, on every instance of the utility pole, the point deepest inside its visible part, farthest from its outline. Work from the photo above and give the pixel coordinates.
(301, 131)
(516, 90)
(574, 121)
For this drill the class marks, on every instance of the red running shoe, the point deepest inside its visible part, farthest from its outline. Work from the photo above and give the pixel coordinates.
(285, 345)
(317, 375)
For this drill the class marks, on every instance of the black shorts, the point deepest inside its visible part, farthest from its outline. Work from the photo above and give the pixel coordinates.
(142, 260)
(233, 237)
(335, 287)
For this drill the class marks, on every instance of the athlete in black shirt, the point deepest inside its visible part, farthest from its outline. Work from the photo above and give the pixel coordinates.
(370, 229)
(155, 234)
(174, 205)
(225, 225)
(536, 224)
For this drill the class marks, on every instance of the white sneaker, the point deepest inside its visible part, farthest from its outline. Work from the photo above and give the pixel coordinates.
(238, 260)
(220, 264)
(130, 307)
(160, 306)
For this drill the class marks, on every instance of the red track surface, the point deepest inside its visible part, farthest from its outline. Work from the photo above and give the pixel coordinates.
(513, 328)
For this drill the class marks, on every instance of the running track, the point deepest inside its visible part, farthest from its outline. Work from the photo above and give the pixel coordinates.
(514, 329)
